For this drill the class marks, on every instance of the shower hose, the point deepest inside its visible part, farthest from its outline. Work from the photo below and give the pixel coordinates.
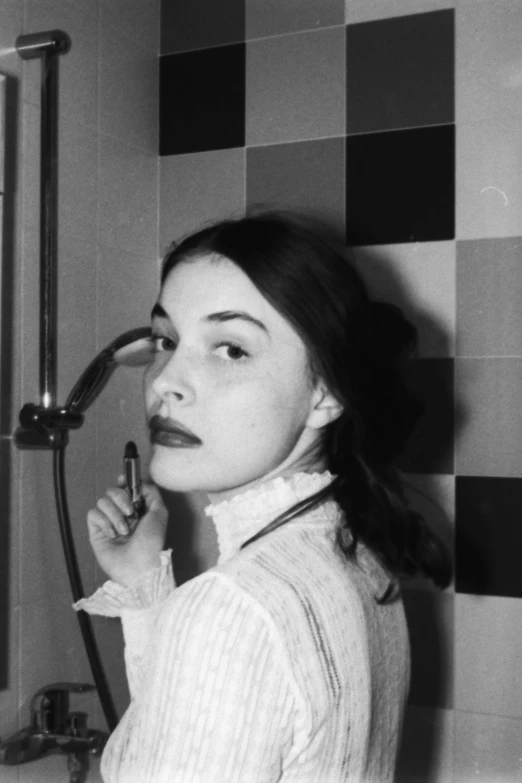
(73, 571)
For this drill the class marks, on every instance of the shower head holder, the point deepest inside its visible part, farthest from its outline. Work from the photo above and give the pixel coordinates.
(34, 45)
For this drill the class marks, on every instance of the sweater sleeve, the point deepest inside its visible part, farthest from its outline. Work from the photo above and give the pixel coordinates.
(215, 701)
(138, 606)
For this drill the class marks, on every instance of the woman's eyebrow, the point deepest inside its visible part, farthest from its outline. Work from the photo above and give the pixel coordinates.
(230, 315)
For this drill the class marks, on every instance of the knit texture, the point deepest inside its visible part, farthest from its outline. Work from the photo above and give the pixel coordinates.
(276, 665)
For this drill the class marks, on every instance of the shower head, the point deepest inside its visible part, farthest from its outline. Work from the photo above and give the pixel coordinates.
(34, 45)
(131, 349)
(48, 427)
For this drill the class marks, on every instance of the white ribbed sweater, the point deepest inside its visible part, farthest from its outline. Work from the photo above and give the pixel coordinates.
(276, 665)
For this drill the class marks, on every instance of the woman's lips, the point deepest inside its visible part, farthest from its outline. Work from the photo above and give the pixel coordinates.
(167, 432)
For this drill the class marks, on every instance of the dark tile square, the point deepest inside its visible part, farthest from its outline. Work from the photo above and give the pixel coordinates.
(488, 536)
(401, 72)
(400, 186)
(431, 446)
(202, 100)
(199, 24)
(430, 618)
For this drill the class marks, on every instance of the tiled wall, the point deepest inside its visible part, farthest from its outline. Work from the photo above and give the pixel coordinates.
(108, 219)
(401, 121)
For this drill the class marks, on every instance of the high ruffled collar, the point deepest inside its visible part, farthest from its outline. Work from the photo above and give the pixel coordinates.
(242, 516)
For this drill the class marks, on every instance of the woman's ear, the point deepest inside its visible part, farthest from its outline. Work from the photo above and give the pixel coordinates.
(325, 409)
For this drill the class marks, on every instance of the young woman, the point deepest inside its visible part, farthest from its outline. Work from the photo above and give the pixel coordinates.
(275, 386)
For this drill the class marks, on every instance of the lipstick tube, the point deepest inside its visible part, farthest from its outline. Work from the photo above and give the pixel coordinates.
(131, 471)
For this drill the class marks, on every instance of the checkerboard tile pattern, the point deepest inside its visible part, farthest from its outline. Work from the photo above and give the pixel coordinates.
(401, 123)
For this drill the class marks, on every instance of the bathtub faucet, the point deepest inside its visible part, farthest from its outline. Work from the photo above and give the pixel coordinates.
(53, 728)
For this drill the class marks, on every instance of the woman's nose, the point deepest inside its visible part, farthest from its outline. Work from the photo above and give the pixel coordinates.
(172, 379)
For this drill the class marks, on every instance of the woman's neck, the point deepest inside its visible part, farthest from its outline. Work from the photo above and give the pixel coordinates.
(306, 463)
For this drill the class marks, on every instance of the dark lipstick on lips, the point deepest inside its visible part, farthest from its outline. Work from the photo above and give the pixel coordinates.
(168, 432)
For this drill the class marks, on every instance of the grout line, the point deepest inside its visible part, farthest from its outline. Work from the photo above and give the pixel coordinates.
(500, 357)
(245, 40)
(152, 153)
(291, 141)
(282, 142)
(488, 714)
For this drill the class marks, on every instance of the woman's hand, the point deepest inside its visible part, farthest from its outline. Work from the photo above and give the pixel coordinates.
(122, 557)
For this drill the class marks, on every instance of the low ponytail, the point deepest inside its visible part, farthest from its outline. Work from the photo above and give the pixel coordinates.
(363, 444)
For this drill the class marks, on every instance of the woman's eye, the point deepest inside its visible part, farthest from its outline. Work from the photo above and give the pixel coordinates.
(231, 352)
(161, 343)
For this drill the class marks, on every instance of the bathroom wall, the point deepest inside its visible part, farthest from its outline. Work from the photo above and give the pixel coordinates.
(401, 122)
(108, 219)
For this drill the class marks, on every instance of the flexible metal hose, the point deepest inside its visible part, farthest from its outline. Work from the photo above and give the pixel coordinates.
(75, 581)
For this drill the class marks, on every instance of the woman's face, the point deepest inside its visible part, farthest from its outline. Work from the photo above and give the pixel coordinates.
(228, 393)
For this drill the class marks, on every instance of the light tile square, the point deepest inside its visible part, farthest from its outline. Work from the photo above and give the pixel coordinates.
(363, 11)
(489, 62)
(10, 688)
(488, 666)
(42, 565)
(76, 298)
(29, 171)
(120, 418)
(134, 19)
(129, 91)
(270, 17)
(489, 178)
(78, 68)
(489, 297)
(295, 87)
(110, 639)
(487, 749)
(29, 328)
(77, 181)
(303, 176)
(430, 620)
(489, 425)
(128, 284)
(427, 748)
(10, 531)
(51, 648)
(127, 198)
(420, 278)
(88, 6)
(199, 188)
(11, 25)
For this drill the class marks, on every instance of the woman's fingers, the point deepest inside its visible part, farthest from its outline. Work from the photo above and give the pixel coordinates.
(121, 499)
(100, 526)
(112, 513)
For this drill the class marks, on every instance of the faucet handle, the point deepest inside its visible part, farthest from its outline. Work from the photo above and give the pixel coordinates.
(50, 706)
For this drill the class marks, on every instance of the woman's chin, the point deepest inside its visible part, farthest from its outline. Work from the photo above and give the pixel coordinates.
(173, 477)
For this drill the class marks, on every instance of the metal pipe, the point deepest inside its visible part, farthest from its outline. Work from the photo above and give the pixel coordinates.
(47, 46)
(48, 230)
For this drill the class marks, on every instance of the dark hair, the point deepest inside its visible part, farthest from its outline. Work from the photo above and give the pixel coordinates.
(359, 348)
